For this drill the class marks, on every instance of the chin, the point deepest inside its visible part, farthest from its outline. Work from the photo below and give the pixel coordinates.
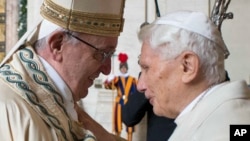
(156, 111)
(83, 94)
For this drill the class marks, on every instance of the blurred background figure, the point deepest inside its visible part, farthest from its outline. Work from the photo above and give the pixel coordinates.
(125, 86)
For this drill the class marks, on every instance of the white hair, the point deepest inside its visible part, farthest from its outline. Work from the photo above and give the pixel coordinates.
(171, 41)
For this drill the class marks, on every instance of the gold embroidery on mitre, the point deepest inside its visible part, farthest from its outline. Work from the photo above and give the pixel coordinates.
(91, 23)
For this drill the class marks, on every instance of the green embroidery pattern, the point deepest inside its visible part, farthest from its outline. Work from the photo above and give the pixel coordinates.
(26, 56)
(10, 76)
(40, 77)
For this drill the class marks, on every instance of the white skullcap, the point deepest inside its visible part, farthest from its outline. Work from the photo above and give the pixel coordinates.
(196, 22)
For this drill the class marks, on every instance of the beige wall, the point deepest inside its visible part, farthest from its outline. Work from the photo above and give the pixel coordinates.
(33, 12)
(11, 23)
(236, 35)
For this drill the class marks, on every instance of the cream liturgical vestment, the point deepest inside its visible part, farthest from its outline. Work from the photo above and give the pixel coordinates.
(212, 116)
(31, 107)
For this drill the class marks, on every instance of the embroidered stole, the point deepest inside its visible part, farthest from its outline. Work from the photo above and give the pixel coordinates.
(26, 75)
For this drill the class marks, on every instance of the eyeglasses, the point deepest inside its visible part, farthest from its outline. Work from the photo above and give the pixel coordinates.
(99, 54)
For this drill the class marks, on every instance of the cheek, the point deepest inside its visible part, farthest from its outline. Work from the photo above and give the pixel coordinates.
(161, 84)
(161, 94)
(158, 80)
(160, 102)
(157, 84)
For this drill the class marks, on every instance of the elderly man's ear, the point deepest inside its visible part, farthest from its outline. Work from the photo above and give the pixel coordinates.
(55, 42)
(190, 66)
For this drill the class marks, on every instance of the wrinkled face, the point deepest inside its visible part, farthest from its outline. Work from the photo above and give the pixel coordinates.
(80, 66)
(160, 81)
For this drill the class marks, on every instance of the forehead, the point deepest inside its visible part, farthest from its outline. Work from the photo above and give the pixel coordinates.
(102, 42)
(108, 41)
(148, 53)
